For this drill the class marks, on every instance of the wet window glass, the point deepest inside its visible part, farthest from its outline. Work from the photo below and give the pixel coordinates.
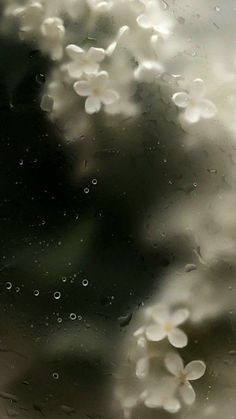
(117, 209)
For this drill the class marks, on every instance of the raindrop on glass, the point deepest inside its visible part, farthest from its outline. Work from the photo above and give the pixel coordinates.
(72, 316)
(8, 285)
(57, 295)
(85, 282)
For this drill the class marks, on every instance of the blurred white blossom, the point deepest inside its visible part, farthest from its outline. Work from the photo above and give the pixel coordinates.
(84, 61)
(97, 91)
(192, 371)
(162, 395)
(164, 324)
(194, 102)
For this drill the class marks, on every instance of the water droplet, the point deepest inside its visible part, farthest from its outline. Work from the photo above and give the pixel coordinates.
(80, 317)
(64, 279)
(36, 293)
(59, 320)
(72, 316)
(21, 162)
(55, 375)
(17, 289)
(8, 285)
(57, 295)
(85, 282)
(94, 182)
(164, 5)
(40, 78)
(86, 190)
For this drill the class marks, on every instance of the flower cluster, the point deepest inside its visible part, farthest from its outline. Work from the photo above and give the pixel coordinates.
(36, 23)
(104, 70)
(141, 41)
(159, 387)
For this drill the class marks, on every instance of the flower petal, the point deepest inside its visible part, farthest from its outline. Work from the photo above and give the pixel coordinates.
(109, 97)
(181, 99)
(74, 52)
(192, 114)
(75, 70)
(152, 400)
(142, 367)
(208, 109)
(155, 333)
(92, 105)
(187, 393)
(91, 68)
(172, 405)
(174, 363)
(195, 370)
(96, 54)
(82, 88)
(160, 313)
(102, 79)
(177, 338)
(179, 316)
(143, 21)
(197, 89)
(140, 331)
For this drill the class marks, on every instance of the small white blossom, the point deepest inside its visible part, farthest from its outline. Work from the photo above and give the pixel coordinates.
(53, 32)
(30, 16)
(192, 371)
(194, 102)
(97, 90)
(84, 62)
(154, 18)
(164, 324)
(162, 395)
(53, 28)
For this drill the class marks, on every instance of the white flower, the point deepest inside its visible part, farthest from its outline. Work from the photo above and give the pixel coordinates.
(97, 91)
(84, 61)
(162, 396)
(30, 16)
(154, 18)
(53, 28)
(194, 102)
(148, 71)
(165, 325)
(192, 371)
(53, 32)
